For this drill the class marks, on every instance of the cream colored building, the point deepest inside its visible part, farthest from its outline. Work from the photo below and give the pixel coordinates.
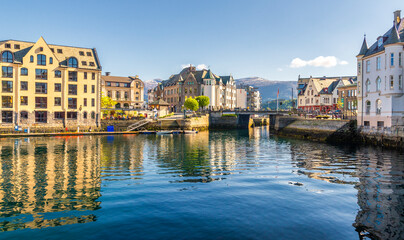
(128, 92)
(49, 86)
(380, 79)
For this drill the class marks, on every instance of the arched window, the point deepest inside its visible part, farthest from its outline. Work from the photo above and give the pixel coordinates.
(73, 62)
(378, 106)
(41, 59)
(7, 56)
(85, 115)
(368, 86)
(367, 107)
(118, 105)
(93, 115)
(118, 95)
(378, 84)
(51, 60)
(126, 105)
(31, 58)
(24, 72)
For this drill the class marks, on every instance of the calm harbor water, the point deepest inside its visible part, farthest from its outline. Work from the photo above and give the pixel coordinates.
(213, 185)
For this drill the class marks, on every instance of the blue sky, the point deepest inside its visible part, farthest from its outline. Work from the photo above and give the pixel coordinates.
(154, 39)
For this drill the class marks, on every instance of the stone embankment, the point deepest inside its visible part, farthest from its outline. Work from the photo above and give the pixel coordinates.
(199, 123)
(332, 131)
(392, 137)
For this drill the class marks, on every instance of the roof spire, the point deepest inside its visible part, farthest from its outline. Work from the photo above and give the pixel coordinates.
(364, 47)
(394, 37)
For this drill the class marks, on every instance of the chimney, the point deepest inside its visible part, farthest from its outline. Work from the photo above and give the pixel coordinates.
(107, 73)
(397, 16)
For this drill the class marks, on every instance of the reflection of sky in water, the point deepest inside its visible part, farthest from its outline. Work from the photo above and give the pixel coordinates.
(233, 183)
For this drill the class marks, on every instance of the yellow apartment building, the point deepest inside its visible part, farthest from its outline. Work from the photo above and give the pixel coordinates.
(49, 86)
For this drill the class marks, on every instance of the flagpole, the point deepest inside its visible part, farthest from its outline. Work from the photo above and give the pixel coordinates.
(277, 101)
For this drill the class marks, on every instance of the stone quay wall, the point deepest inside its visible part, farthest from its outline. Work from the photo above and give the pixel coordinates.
(199, 123)
(333, 131)
(51, 125)
(392, 137)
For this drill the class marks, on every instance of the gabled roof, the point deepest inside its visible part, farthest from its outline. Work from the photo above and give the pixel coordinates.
(190, 72)
(20, 54)
(225, 79)
(394, 35)
(90, 54)
(118, 79)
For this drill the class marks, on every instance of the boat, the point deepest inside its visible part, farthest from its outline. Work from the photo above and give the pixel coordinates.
(190, 132)
(164, 132)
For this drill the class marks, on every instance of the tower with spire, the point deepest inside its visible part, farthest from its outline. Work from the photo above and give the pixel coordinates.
(380, 79)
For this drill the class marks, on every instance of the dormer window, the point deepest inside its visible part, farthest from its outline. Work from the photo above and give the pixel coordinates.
(89, 54)
(72, 62)
(60, 51)
(41, 49)
(92, 64)
(16, 46)
(81, 53)
(7, 45)
(380, 41)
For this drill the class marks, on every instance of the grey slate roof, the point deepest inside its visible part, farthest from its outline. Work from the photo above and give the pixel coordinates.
(364, 47)
(199, 75)
(393, 35)
(20, 54)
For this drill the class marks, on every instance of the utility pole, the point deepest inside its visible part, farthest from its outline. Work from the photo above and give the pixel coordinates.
(293, 102)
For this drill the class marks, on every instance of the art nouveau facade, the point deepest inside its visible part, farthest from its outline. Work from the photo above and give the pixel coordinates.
(190, 82)
(128, 92)
(45, 85)
(320, 93)
(380, 79)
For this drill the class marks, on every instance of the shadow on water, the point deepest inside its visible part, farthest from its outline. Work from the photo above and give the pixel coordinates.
(48, 182)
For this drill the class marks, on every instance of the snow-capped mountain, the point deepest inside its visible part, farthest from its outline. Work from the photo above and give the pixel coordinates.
(269, 88)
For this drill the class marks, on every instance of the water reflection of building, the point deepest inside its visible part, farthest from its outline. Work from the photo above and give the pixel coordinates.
(121, 152)
(48, 175)
(378, 177)
(380, 196)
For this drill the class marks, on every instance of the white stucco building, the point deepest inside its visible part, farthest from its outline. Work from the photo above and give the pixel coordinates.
(380, 79)
(241, 98)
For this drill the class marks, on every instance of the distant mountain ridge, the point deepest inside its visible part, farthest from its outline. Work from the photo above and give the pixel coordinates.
(267, 88)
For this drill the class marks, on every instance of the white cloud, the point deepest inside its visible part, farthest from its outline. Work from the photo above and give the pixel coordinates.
(198, 67)
(280, 69)
(201, 66)
(319, 61)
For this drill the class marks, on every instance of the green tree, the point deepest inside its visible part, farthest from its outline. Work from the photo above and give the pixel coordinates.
(107, 102)
(191, 104)
(340, 104)
(203, 101)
